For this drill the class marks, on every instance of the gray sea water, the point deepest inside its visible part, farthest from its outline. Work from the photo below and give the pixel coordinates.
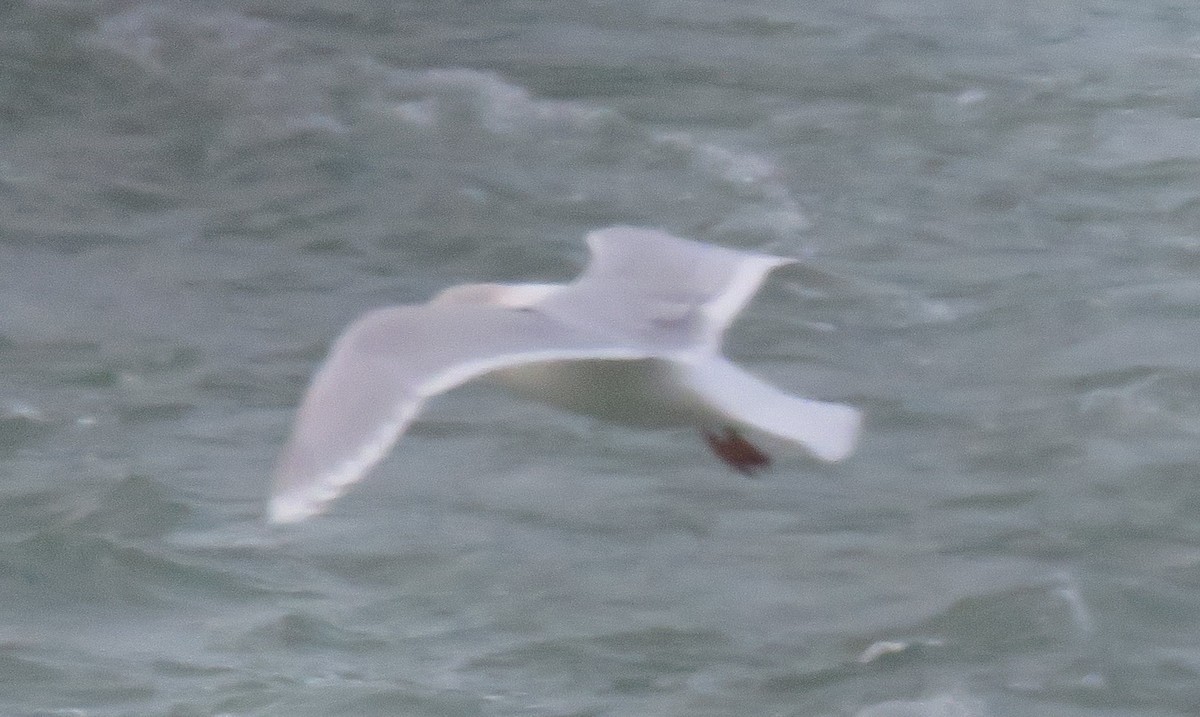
(997, 205)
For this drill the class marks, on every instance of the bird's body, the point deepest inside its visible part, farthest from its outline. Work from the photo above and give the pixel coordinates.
(635, 339)
(636, 392)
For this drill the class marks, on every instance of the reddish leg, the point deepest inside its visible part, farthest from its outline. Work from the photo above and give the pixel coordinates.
(741, 455)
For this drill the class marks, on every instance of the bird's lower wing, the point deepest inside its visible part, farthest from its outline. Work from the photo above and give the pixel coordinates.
(827, 430)
(381, 371)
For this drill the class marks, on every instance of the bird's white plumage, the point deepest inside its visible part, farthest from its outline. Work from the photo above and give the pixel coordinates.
(635, 338)
(827, 430)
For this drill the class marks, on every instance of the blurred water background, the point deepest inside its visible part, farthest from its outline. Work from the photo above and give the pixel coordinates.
(997, 204)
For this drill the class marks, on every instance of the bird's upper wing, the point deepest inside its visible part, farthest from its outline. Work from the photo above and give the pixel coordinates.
(383, 368)
(660, 288)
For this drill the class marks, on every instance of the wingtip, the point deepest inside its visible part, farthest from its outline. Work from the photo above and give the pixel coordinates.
(284, 510)
(298, 505)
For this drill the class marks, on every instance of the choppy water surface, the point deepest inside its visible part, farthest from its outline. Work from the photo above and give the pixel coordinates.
(997, 206)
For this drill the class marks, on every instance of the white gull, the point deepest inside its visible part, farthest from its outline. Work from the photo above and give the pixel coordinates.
(634, 339)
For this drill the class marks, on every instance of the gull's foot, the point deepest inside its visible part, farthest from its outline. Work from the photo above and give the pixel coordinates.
(740, 454)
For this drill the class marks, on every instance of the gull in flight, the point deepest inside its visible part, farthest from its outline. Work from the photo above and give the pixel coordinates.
(635, 339)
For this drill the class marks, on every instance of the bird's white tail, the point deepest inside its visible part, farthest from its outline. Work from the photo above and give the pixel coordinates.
(827, 430)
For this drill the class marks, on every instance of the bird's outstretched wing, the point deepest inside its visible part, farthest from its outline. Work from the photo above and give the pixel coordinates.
(381, 371)
(655, 287)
